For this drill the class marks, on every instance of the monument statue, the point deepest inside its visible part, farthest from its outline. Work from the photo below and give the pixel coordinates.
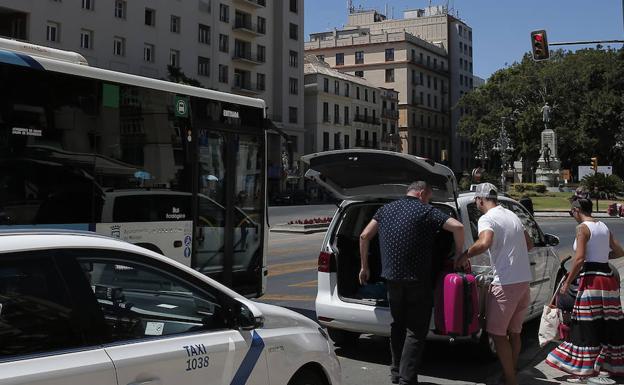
(547, 171)
(547, 111)
(546, 155)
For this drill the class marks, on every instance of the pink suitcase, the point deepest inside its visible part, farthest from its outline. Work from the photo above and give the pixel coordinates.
(456, 309)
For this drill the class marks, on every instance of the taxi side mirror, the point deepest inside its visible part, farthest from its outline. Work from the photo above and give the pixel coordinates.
(551, 240)
(245, 318)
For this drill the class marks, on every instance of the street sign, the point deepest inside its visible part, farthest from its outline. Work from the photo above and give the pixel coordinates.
(181, 106)
(588, 170)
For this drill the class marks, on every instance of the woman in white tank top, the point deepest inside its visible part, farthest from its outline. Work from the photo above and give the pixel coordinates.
(596, 341)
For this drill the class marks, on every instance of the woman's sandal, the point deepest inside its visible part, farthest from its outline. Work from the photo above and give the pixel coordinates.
(600, 380)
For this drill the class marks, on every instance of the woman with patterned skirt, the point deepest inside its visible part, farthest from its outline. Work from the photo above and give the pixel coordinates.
(596, 340)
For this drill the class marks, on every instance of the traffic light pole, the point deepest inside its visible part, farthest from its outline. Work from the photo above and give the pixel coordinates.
(596, 188)
(586, 42)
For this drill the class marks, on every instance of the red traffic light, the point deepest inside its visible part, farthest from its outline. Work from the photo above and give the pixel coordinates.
(539, 45)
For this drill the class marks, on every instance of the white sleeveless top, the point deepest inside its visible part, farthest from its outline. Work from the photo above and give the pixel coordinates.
(598, 245)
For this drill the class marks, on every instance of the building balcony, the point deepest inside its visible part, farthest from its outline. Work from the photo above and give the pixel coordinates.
(430, 66)
(389, 114)
(246, 57)
(254, 3)
(248, 28)
(418, 102)
(366, 119)
(391, 138)
(365, 144)
(246, 87)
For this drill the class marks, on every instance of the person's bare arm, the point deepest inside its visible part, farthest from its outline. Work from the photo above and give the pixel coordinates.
(616, 248)
(486, 238)
(369, 233)
(529, 240)
(582, 237)
(457, 229)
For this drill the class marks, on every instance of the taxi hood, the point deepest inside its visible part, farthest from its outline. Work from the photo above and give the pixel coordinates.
(360, 174)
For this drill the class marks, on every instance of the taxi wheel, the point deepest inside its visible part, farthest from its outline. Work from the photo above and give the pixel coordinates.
(343, 338)
(307, 376)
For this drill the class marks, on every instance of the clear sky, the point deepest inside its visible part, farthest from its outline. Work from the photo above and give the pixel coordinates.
(501, 28)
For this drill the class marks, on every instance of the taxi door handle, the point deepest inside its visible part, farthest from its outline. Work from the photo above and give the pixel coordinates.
(154, 381)
(533, 263)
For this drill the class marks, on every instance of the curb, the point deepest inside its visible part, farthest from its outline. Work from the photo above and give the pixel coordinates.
(300, 229)
(565, 214)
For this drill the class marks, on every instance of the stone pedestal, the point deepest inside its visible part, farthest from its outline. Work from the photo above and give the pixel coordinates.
(547, 177)
(547, 171)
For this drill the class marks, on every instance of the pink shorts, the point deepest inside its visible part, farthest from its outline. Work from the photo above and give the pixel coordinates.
(506, 308)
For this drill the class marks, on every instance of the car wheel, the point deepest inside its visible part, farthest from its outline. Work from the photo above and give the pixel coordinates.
(307, 376)
(343, 338)
(486, 346)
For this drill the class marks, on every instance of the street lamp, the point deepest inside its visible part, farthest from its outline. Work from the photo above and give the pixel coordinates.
(482, 153)
(504, 146)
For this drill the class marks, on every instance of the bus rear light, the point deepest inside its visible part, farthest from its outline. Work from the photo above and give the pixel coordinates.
(326, 262)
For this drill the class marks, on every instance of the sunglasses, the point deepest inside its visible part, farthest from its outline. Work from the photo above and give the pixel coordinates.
(571, 212)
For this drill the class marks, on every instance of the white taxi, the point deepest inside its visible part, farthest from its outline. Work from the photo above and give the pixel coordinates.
(78, 308)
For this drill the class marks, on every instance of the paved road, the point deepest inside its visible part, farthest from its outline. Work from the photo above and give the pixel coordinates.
(292, 283)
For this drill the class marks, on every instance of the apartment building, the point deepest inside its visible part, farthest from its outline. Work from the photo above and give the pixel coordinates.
(248, 47)
(435, 24)
(390, 138)
(416, 69)
(341, 111)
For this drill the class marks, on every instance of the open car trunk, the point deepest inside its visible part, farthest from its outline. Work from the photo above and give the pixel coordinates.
(346, 246)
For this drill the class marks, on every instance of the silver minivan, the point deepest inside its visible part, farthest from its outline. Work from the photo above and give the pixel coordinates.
(367, 179)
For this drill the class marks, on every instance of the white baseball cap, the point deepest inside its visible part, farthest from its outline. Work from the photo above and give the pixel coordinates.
(486, 190)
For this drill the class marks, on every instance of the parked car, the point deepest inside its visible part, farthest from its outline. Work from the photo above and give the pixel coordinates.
(368, 179)
(83, 308)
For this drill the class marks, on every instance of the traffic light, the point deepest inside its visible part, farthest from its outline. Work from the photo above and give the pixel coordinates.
(539, 44)
(594, 164)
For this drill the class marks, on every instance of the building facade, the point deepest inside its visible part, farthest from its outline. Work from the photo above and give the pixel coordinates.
(390, 138)
(343, 111)
(248, 47)
(453, 36)
(416, 69)
(435, 24)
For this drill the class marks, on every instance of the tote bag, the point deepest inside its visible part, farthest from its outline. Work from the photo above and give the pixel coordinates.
(551, 318)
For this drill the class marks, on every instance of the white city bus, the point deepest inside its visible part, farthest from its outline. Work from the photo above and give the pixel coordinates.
(176, 169)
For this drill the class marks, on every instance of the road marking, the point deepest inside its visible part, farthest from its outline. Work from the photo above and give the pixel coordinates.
(312, 283)
(292, 267)
(288, 251)
(286, 297)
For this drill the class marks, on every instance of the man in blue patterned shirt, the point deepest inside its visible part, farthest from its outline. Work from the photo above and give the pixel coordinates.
(407, 229)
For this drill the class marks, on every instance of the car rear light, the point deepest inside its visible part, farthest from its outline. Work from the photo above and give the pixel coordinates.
(326, 262)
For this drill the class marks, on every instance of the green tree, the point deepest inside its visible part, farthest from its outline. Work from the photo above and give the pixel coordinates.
(586, 88)
(175, 74)
(609, 184)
